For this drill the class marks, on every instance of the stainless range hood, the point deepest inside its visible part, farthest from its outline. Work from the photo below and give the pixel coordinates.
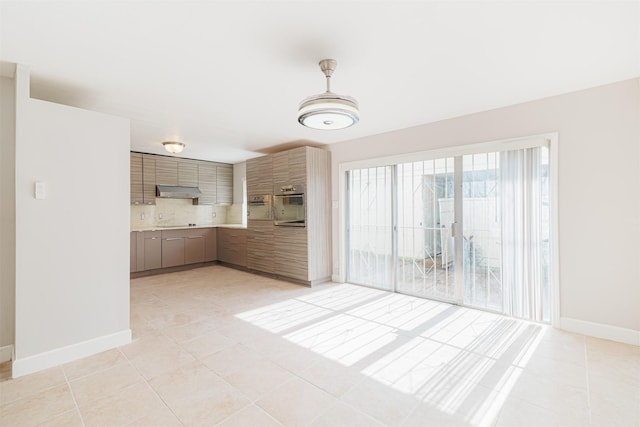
(175, 192)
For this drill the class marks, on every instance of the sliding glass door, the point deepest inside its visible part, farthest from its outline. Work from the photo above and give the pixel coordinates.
(470, 229)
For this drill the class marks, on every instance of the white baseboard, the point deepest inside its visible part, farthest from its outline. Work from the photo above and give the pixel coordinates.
(6, 353)
(599, 330)
(48, 359)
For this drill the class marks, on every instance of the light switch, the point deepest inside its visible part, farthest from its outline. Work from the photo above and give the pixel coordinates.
(39, 190)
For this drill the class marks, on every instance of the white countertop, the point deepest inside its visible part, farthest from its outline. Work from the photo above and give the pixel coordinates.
(181, 227)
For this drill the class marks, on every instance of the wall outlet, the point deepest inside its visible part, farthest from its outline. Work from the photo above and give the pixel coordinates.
(142, 215)
(213, 215)
(160, 216)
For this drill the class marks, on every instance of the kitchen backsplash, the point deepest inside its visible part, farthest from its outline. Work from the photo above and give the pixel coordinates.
(170, 212)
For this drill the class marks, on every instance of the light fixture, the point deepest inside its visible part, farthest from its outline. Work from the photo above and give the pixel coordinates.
(328, 110)
(173, 147)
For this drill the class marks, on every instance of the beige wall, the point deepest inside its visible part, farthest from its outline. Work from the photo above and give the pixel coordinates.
(598, 177)
(7, 216)
(72, 262)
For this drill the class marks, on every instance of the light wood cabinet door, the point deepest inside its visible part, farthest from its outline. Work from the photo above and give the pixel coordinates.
(232, 246)
(166, 171)
(290, 254)
(297, 165)
(260, 176)
(135, 169)
(260, 246)
(224, 184)
(210, 244)
(149, 179)
(188, 173)
(280, 164)
(207, 183)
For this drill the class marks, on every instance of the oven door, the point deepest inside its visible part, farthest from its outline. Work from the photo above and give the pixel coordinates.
(259, 208)
(289, 210)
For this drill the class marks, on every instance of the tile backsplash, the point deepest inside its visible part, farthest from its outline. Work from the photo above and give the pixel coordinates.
(177, 212)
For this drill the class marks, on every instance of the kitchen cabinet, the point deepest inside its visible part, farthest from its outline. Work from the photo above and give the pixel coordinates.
(215, 180)
(232, 246)
(207, 183)
(166, 171)
(210, 244)
(260, 246)
(135, 169)
(260, 176)
(152, 250)
(290, 256)
(149, 179)
(172, 248)
(193, 249)
(290, 167)
(188, 173)
(224, 184)
(300, 253)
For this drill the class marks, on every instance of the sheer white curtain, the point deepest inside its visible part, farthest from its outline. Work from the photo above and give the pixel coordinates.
(522, 234)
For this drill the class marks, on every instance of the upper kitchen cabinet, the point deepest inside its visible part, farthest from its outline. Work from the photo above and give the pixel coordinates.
(187, 173)
(260, 176)
(224, 184)
(215, 180)
(166, 171)
(135, 168)
(290, 167)
(148, 179)
(207, 183)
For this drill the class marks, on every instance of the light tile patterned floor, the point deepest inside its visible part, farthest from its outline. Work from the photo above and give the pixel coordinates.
(216, 346)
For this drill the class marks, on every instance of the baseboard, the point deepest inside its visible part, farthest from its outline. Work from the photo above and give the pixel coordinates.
(6, 353)
(600, 330)
(49, 359)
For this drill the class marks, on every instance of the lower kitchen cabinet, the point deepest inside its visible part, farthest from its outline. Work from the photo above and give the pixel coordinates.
(152, 243)
(232, 246)
(210, 244)
(194, 245)
(260, 246)
(290, 254)
(172, 251)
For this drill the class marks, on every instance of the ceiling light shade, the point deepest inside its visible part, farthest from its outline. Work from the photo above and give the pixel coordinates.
(328, 111)
(173, 147)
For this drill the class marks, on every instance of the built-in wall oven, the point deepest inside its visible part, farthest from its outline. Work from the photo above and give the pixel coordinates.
(289, 205)
(259, 208)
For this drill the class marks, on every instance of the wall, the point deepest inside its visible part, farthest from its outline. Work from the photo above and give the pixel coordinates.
(168, 212)
(599, 203)
(72, 266)
(236, 213)
(7, 217)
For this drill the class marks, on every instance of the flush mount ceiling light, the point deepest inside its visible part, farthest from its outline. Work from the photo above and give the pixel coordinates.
(173, 147)
(328, 110)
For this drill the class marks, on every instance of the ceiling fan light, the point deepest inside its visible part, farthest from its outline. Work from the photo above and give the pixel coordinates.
(173, 147)
(328, 111)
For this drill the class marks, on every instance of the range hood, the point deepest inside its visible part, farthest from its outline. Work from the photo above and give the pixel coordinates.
(174, 192)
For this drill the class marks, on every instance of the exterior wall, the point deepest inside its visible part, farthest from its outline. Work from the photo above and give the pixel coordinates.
(598, 176)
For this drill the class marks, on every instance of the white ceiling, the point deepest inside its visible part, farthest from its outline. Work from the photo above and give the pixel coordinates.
(226, 77)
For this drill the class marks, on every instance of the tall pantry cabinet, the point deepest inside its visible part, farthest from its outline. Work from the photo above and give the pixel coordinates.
(299, 253)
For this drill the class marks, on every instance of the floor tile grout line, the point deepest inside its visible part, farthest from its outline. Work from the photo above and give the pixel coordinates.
(73, 396)
(144, 379)
(586, 369)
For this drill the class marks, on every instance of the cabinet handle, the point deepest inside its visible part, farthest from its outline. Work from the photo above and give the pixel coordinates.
(195, 237)
(172, 238)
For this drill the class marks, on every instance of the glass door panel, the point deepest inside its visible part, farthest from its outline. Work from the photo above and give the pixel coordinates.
(425, 218)
(482, 231)
(369, 227)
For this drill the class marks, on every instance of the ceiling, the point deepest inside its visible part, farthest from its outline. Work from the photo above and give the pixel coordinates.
(226, 77)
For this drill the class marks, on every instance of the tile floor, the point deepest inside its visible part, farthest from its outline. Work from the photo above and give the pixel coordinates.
(216, 346)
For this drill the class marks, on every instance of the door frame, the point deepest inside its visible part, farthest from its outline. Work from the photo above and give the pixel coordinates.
(460, 150)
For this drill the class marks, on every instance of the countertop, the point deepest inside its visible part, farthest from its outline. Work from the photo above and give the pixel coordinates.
(181, 227)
